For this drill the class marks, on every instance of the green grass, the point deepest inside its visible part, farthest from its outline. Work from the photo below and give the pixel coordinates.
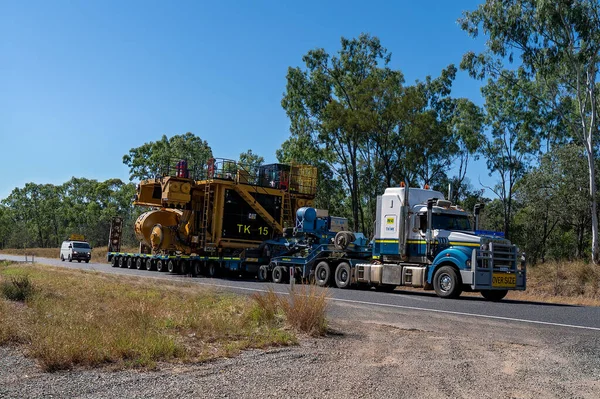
(77, 318)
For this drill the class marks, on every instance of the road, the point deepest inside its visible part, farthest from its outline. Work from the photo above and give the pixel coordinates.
(527, 313)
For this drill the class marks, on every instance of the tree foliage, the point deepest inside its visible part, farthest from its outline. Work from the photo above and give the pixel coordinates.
(557, 45)
(43, 215)
(152, 159)
(355, 113)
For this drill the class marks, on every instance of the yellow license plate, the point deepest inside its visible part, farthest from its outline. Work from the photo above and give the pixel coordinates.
(504, 280)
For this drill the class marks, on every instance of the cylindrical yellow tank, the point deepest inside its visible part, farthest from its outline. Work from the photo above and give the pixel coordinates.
(157, 229)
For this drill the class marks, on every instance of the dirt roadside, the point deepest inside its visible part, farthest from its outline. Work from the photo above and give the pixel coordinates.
(379, 354)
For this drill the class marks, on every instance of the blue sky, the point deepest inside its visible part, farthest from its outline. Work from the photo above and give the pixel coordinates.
(82, 82)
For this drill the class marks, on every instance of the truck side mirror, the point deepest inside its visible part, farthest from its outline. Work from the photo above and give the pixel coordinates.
(70, 246)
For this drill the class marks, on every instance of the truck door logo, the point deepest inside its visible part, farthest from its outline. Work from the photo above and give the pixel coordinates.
(390, 223)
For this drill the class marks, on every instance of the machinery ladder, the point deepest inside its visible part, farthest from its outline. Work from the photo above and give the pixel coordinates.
(206, 214)
(287, 218)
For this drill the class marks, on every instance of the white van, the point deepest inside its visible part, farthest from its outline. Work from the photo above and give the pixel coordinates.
(75, 250)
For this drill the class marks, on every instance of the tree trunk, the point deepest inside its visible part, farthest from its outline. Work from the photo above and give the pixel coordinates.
(593, 202)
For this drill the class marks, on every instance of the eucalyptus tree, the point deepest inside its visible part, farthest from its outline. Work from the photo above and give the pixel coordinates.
(152, 158)
(555, 43)
(330, 102)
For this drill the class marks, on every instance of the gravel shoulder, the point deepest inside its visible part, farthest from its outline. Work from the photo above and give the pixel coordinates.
(378, 354)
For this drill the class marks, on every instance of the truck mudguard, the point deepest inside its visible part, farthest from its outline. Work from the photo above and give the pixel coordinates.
(453, 255)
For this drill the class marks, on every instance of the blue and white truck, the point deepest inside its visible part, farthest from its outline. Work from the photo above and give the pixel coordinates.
(421, 240)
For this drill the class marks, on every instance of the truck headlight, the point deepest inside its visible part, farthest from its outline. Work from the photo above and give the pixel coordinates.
(523, 261)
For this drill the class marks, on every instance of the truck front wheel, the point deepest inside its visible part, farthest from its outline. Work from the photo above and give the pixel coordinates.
(322, 274)
(343, 275)
(446, 282)
(494, 295)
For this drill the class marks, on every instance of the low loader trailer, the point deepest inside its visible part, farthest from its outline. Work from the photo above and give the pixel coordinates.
(228, 218)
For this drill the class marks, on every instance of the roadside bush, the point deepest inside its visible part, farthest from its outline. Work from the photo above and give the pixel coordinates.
(17, 289)
(304, 308)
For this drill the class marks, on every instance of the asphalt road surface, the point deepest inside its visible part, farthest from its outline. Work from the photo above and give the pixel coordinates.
(409, 303)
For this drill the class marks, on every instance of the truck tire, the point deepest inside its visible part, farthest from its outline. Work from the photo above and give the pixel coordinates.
(172, 267)
(185, 266)
(198, 269)
(494, 295)
(160, 266)
(149, 265)
(278, 274)
(139, 263)
(263, 273)
(115, 261)
(62, 258)
(122, 262)
(87, 261)
(130, 263)
(322, 274)
(70, 259)
(213, 270)
(446, 282)
(343, 275)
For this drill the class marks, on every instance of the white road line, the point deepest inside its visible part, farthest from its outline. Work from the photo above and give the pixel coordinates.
(170, 278)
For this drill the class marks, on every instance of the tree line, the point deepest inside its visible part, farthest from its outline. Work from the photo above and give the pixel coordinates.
(354, 117)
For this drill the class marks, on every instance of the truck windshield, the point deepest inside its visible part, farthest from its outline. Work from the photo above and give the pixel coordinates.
(451, 222)
(81, 245)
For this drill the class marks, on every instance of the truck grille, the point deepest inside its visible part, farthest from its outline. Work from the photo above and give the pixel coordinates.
(498, 255)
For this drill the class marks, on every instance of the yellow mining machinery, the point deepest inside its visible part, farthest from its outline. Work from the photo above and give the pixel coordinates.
(221, 207)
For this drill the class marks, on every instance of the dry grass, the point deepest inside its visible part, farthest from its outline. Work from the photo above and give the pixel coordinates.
(303, 309)
(576, 283)
(98, 253)
(78, 318)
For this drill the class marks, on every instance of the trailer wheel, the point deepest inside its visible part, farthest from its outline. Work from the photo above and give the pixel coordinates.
(122, 262)
(322, 274)
(149, 265)
(172, 267)
(494, 295)
(115, 261)
(278, 275)
(213, 270)
(446, 282)
(139, 262)
(343, 275)
(263, 273)
(197, 271)
(129, 263)
(160, 266)
(184, 266)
